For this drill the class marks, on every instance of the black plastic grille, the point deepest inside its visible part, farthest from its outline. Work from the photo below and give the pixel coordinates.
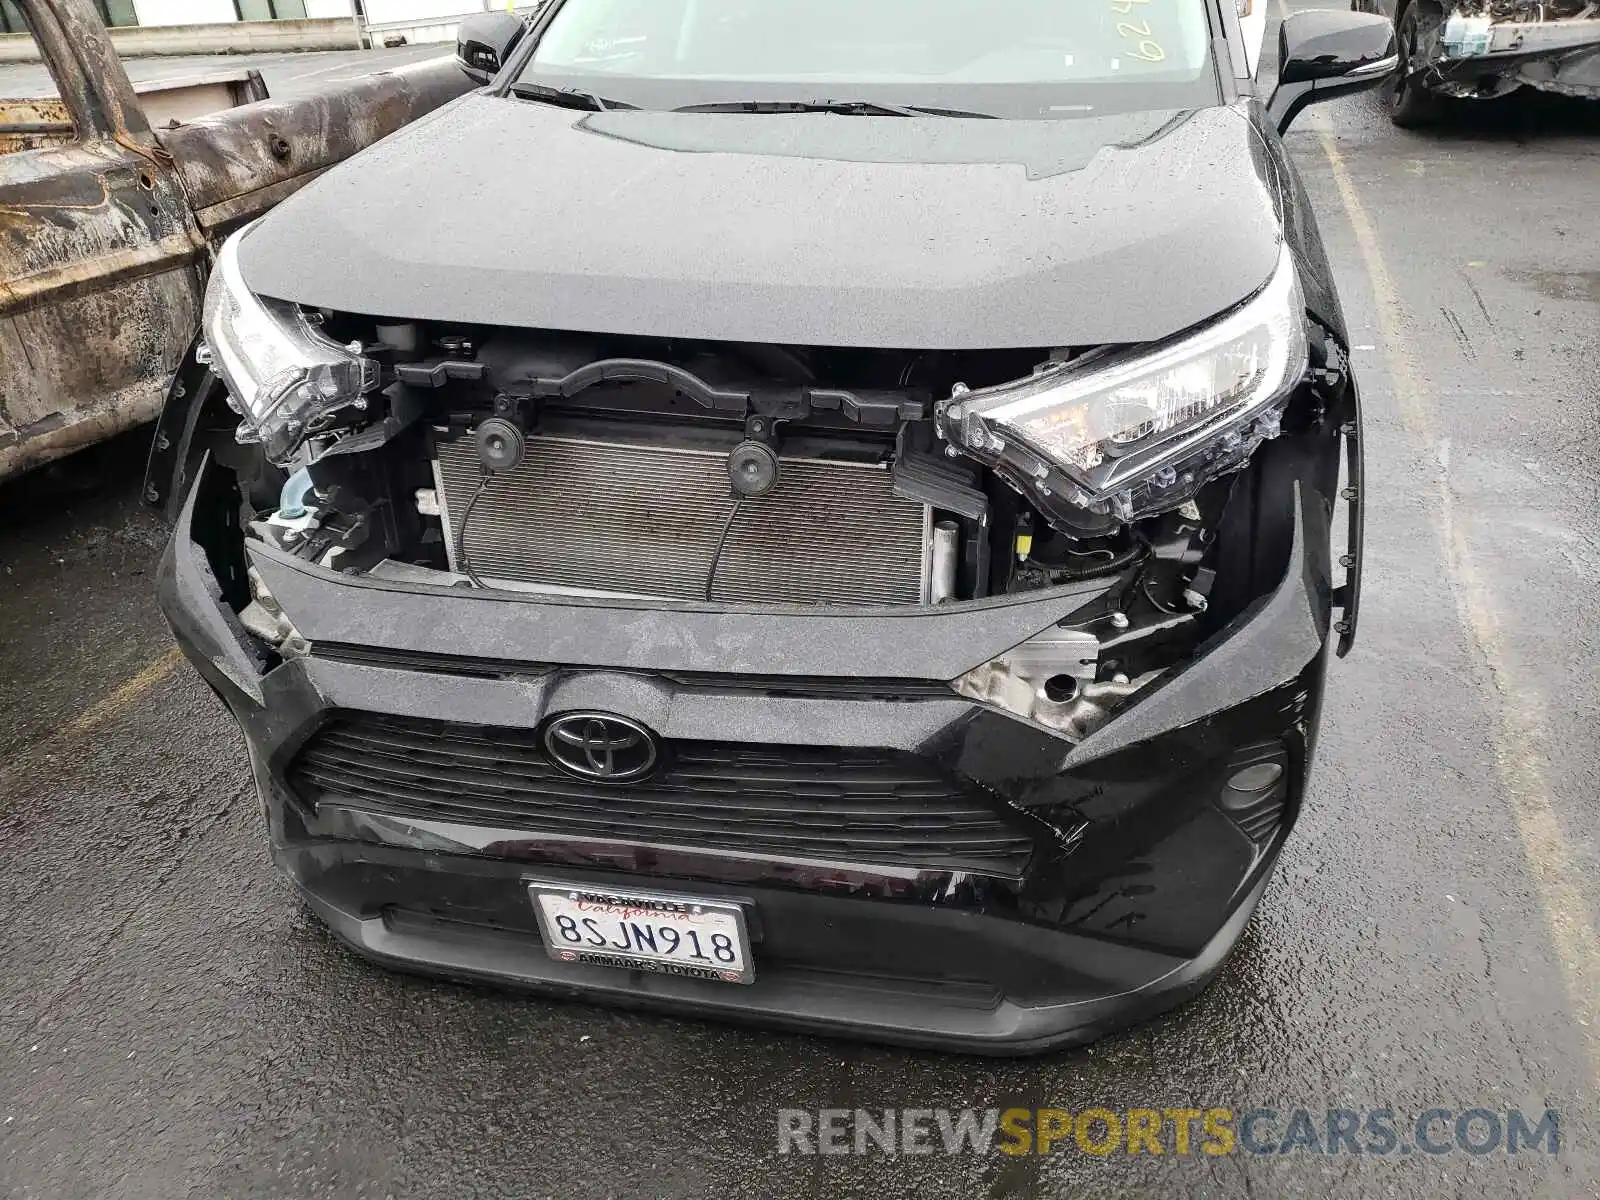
(839, 805)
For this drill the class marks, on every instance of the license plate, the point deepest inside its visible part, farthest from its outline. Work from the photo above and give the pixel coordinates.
(643, 931)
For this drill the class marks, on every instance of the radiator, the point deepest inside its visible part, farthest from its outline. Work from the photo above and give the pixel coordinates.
(644, 520)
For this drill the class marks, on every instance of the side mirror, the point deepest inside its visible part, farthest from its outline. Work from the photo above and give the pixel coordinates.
(485, 40)
(1323, 53)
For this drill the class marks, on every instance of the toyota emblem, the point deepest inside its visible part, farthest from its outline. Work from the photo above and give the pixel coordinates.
(600, 746)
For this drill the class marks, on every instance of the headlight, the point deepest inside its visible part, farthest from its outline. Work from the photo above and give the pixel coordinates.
(1135, 435)
(282, 372)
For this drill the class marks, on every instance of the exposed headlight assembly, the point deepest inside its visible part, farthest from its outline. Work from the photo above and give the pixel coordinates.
(284, 376)
(1108, 440)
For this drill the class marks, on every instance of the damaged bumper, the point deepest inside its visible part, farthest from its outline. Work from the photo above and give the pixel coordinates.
(1491, 52)
(1071, 888)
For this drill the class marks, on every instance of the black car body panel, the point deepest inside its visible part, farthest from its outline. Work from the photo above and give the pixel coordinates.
(1300, 230)
(844, 231)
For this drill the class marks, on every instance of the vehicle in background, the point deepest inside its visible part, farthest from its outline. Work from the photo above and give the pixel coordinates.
(112, 200)
(1483, 49)
(32, 123)
(1253, 30)
(832, 525)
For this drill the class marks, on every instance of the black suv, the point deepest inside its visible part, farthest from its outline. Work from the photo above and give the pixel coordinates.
(801, 510)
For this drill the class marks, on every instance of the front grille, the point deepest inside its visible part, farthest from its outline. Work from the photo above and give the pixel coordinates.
(880, 807)
(645, 520)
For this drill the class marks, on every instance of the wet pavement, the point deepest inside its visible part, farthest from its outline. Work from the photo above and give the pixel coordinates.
(172, 1022)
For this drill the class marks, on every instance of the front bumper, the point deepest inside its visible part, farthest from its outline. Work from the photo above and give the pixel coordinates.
(1144, 867)
(1479, 56)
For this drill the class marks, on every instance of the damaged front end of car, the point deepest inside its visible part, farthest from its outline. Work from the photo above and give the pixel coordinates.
(576, 465)
(1483, 49)
(1017, 639)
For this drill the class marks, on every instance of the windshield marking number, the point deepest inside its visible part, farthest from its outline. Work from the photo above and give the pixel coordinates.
(1148, 50)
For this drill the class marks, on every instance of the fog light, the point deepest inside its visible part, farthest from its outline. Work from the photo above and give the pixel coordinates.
(1256, 777)
(1257, 792)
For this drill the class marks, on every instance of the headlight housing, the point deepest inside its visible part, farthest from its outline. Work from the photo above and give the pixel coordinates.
(283, 374)
(1121, 438)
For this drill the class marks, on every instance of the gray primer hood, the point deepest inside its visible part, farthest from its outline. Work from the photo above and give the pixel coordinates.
(811, 229)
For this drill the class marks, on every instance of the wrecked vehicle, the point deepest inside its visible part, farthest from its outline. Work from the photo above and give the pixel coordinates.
(1483, 49)
(112, 197)
(833, 524)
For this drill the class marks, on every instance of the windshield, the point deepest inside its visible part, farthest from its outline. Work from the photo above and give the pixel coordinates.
(1010, 58)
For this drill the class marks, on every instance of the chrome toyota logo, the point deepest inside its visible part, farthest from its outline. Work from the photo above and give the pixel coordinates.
(601, 746)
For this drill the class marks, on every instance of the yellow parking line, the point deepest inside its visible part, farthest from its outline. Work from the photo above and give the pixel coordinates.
(1522, 738)
(118, 700)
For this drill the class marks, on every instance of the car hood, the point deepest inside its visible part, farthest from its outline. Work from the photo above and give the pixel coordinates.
(810, 229)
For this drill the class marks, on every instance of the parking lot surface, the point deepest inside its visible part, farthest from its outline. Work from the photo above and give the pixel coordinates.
(173, 1023)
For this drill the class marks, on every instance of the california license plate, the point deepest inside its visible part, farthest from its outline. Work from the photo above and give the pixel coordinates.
(643, 931)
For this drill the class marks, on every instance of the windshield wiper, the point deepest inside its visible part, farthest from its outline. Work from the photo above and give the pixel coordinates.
(848, 108)
(567, 97)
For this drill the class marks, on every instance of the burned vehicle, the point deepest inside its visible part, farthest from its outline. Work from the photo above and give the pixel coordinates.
(112, 197)
(1484, 49)
(822, 515)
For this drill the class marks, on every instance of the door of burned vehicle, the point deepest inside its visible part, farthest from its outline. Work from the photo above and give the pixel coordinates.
(106, 225)
(100, 263)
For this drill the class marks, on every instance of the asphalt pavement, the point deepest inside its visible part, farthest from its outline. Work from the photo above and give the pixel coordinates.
(174, 1024)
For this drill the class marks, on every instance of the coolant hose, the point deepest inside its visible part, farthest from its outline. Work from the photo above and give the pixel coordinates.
(292, 500)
